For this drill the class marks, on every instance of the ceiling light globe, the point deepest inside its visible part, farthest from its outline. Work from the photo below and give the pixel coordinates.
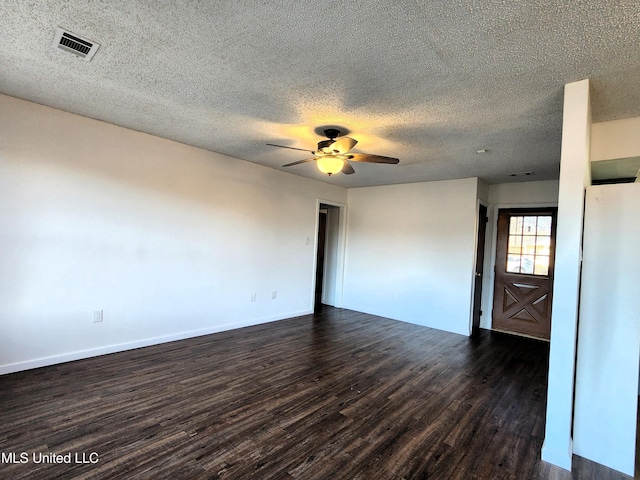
(330, 164)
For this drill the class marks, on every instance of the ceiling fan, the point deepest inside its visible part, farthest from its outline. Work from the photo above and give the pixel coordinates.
(332, 156)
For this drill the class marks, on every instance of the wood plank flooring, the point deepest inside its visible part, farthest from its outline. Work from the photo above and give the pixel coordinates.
(335, 395)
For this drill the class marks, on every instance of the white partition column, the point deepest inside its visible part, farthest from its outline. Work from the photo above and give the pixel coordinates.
(574, 177)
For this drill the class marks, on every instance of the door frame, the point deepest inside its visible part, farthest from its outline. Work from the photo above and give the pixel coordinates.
(490, 256)
(337, 252)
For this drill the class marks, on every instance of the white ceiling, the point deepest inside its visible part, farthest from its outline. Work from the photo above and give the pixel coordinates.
(427, 82)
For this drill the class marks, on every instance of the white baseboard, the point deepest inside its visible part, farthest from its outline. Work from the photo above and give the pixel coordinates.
(146, 342)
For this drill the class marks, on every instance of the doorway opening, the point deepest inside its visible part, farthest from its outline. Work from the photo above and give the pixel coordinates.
(329, 255)
(320, 253)
(477, 284)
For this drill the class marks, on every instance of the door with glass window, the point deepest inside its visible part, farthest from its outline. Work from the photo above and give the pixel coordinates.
(524, 271)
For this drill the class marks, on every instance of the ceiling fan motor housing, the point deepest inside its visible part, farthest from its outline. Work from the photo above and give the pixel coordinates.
(332, 133)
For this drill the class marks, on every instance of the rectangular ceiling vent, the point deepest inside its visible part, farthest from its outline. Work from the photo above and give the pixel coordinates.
(70, 42)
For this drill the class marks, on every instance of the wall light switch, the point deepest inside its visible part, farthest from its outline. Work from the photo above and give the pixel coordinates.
(97, 316)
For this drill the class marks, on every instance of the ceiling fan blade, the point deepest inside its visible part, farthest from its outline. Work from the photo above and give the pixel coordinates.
(299, 162)
(348, 168)
(290, 148)
(368, 158)
(343, 145)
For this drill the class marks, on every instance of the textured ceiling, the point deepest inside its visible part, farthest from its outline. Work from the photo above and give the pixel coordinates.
(427, 82)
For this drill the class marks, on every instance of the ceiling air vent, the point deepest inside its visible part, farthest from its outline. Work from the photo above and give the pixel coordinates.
(70, 42)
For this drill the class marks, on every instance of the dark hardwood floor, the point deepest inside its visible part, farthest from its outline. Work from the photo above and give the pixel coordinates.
(335, 395)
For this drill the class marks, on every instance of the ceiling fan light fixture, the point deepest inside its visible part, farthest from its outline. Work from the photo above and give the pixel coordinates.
(332, 156)
(330, 164)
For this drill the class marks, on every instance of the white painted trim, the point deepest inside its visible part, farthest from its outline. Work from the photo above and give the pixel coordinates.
(95, 352)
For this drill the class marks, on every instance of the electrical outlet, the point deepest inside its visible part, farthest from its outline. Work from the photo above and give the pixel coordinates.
(307, 240)
(97, 316)
(253, 297)
(274, 294)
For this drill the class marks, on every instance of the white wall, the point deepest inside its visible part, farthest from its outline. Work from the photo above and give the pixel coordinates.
(483, 191)
(508, 195)
(608, 339)
(609, 140)
(574, 178)
(615, 139)
(169, 240)
(411, 251)
(524, 193)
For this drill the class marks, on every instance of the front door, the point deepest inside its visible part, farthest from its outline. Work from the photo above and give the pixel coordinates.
(524, 271)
